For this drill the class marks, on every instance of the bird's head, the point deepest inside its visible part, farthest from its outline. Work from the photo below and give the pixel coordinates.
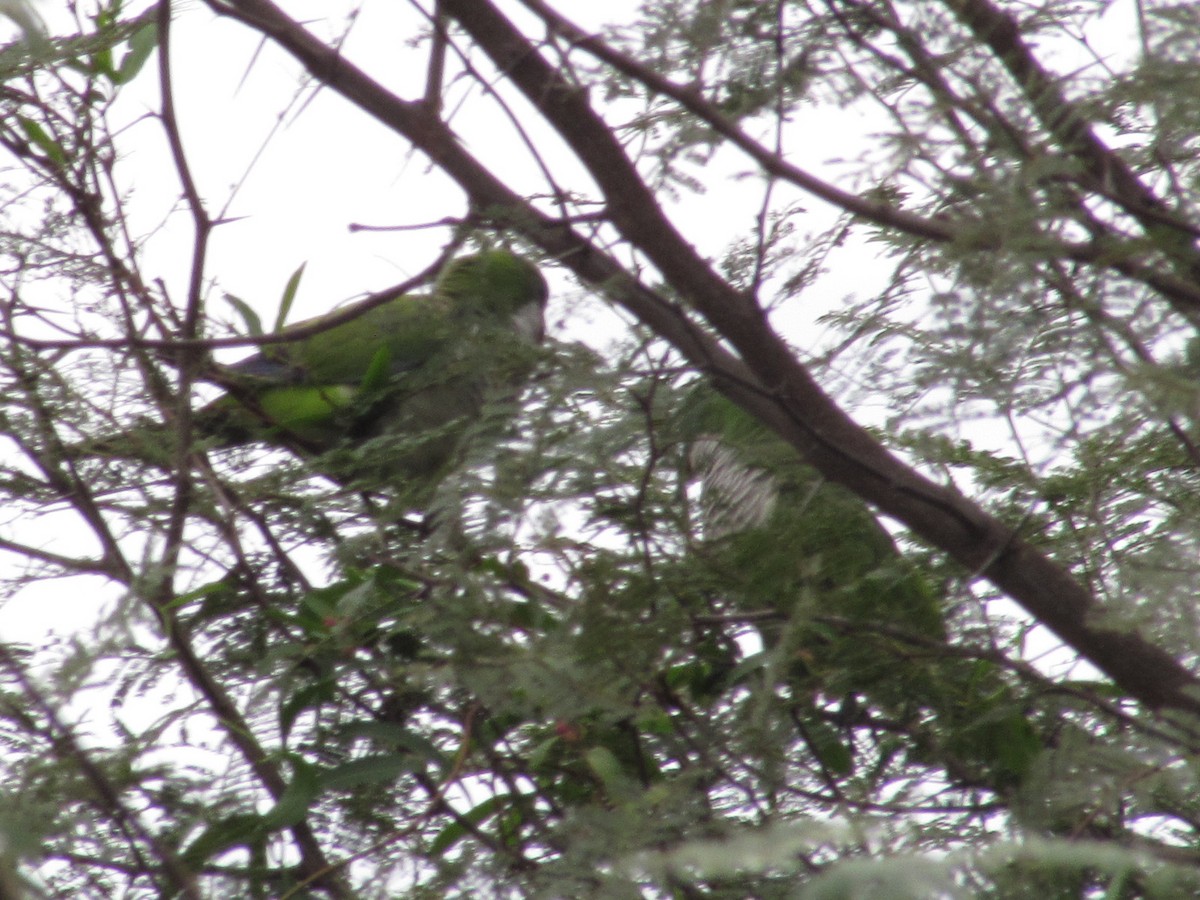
(496, 283)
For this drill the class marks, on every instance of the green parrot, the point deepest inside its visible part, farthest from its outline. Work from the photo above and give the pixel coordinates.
(417, 369)
(778, 523)
(777, 537)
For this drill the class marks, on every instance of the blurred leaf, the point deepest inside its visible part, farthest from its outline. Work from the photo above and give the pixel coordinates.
(296, 799)
(141, 45)
(42, 140)
(310, 696)
(460, 828)
(827, 745)
(381, 769)
(249, 317)
(289, 297)
(232, 831)
(33, 29)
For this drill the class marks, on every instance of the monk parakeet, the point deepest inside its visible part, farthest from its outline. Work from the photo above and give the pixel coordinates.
(420, 367)
(777, 537)
(794, 537)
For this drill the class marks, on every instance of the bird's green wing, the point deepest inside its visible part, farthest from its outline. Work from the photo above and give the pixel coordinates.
(410, 329)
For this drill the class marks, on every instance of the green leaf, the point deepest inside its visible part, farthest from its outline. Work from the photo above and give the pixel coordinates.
(748, 666)
(101, 63)
(395, 734)
(655, 721)
(42, 140)
(542, 753)
(381, 769)
(293, 804)
(141, 45)
(249, 317)
(323, 602)
(456, 830)
(308, 697)
(203, 592)
(232, 831)
(828, 747)
(357, 600)
(378, 370)
(289, 297)
(605, 766)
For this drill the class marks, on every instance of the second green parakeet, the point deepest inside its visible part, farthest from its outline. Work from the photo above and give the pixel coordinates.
(794, 536)
(854, 618)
